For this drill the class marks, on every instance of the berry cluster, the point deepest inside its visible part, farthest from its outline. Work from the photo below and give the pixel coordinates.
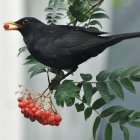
(35, 111)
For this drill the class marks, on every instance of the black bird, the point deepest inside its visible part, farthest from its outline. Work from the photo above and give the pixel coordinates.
(62, 46)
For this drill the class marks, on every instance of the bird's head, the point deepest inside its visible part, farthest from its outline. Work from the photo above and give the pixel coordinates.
(25, 25)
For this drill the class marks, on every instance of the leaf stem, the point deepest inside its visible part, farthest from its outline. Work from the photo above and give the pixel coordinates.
(93, 110)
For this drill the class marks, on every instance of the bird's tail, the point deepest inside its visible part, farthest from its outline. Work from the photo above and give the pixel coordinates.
(126, 36)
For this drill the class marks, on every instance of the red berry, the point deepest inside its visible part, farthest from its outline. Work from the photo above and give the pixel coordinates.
(56, 123)
(20, 99)
(22, 104)
(58, 118)
(30, 106)
(52, 119)
(47, 113)
(23, 111)
(38, 114)
(29, 97)
(6, 26)
(34, 110)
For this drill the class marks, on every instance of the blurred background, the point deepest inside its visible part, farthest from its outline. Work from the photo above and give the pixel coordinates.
(13, 125)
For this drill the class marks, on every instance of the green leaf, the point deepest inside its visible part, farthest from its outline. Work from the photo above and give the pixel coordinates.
(99, 15)
(31, 61)
(65, 91)
(130, 71)
(135, 78)
(36, 69)
(95, 22)
(135, 124)
(120, 115)
(116, 87)
(108, 132)
(98, 9)
(98, 103)
(104, 91)
(95, 126)
(21, 50)
(102, 76)
(57, 17)
(87, 112)
(128, 85)
(70, 101)
(111, 110)
(116, 73)
(135, 116)
(86, 77)
(88, 92)
(29, 57)
(80, 107)
(94, 29)
(77, 14)
(125, 132)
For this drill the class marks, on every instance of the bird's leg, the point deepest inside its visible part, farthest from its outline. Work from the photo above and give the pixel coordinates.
(56, 81)
(47, 71)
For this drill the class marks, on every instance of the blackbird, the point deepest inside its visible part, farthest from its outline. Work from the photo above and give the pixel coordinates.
(63, 46)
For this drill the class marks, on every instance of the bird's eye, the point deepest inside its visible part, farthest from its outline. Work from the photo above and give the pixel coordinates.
(25, 22)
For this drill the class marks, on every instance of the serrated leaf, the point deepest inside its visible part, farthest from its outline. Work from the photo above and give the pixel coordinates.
(77, 14)
(29, 57)
(125, 132)
(66, 90)
(88, 92)
(98, 103)
(128, 85)
(86, 77)
(80, 107)
(49, 9)
(136, 115)
(57, 17)
(60, 14)
(102, 76)
(35, 72)
(36, 69)
(135, 78)
(95, 126)
(98, 9)
(135, 123)
(120, 115)
(95, 22)
(116, 87)
(130, 71)
(99, 15)
(21, 50)
(70, 101)
(94, 29)
(104, 91)
(116, 73)
(87, 113)
(108, 132)
(31, 61)
(111, 110)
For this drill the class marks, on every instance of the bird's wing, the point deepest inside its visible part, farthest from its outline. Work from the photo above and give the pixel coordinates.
(67, 40)
(76, 41)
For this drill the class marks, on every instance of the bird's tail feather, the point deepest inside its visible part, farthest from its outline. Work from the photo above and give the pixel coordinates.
(126, 36)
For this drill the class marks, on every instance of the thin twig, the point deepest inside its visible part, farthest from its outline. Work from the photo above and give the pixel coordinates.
(93, 110)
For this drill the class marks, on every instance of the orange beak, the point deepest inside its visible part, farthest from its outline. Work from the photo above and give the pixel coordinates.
(14, 26)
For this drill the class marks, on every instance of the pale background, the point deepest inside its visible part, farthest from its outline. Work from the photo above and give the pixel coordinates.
(12, 73)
